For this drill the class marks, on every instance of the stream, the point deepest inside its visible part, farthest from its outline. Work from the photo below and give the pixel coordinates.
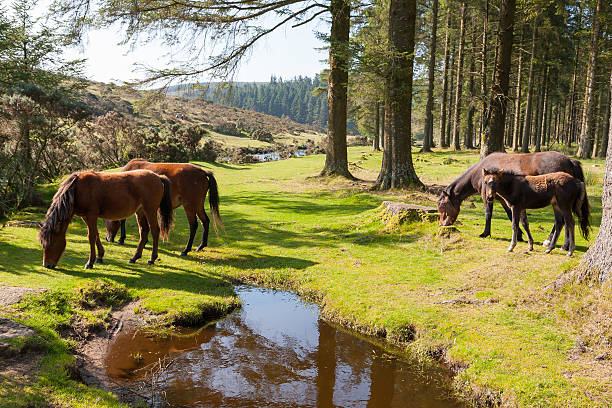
(273, 352)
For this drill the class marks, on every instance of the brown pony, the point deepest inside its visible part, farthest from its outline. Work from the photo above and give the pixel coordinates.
(470, 182)
(93, 195)
(190, 184)
(565, 193)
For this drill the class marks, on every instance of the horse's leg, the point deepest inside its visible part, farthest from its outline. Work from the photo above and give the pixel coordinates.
(151, 215)
(193, 227)
(525, 224)
(143, 227)
(100, 251)
(122, 236)
(557, 228)
(569, 226)
(546, 242)
(509, 214)
(516, 215)
(92, 235)
(488, 214)
(206, 225)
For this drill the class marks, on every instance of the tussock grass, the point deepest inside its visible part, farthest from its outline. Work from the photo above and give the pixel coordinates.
(442, 293)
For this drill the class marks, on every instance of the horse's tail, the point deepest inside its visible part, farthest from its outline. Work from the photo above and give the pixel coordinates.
(165, 209)
(583, 211)
(213, 200)
(61, 209)
(577, 170)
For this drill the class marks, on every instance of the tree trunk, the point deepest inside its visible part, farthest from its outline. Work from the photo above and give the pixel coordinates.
(336, 160)
(428, 137)
(527, 126)
(459, 84)
(451, 97)
(588, 121)
(516, 136)
(597, 262)
(483, 72)
(381, 129)
(599, 118)
(399, 172)
(542, 113)
(605, 137)
(468, 141)
(493, 140)
(443, 107)
(375, 143)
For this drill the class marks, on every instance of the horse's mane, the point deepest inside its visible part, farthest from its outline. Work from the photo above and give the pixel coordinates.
(61, 209)
(449, 189)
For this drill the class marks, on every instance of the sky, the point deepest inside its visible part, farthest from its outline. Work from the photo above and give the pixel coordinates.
(286, 53)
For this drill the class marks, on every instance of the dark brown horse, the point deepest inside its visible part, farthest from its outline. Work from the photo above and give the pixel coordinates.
(564, 192)
(190, 184)
(93, 195)
(470, 182)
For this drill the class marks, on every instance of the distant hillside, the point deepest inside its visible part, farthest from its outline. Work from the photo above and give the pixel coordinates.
(231, 126)
(281, 98)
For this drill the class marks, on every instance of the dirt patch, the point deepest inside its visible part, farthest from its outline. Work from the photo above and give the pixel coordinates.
(13, 294)
(91, 353)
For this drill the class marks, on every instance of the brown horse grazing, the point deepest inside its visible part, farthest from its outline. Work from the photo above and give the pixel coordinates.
(565, 193)
(470, 182)
(93, 195)
(190, 184)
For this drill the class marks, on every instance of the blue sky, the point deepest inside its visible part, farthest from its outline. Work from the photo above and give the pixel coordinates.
(285, 53)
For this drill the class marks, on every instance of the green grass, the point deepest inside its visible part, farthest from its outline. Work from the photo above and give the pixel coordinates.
(324, 239)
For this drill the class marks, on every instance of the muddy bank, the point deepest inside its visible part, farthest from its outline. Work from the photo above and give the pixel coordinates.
(91, 353)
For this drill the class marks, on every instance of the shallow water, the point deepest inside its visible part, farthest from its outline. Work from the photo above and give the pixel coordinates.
(275, 352)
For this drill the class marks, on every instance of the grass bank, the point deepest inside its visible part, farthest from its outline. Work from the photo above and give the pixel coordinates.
(487, 312)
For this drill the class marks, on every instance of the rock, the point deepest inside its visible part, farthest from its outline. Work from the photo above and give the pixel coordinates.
(408, 212)
(13, 294)
(10, 329)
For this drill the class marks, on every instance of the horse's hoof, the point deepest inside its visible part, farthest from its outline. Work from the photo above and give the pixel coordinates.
(132, 260)
(546, 243)
(201, 247)
(120, 242)
(110, 239)
(99, 260)
(565, 247)
(530, 248)
(570, 253)
(89, 265)
(510, 249)
(485, 234)
(184, 253)
(150, 262)
(548, 250)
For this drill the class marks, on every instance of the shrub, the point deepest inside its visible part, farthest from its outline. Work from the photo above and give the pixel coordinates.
(262, 135)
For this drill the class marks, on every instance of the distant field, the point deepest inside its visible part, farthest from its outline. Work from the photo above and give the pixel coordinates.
(486, 311)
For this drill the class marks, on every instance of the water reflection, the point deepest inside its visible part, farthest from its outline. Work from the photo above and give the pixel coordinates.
(275, 352)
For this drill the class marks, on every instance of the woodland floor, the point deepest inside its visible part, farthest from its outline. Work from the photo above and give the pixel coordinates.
(487, 313)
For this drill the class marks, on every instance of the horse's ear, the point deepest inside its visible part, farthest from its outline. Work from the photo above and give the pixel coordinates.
(500, 172)
(484, 171)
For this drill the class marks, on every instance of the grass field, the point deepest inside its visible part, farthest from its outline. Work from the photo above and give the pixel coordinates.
(487, 312)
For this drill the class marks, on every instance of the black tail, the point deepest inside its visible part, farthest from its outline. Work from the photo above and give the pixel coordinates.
(578, 173)
(165, 209)
(213, 199)
(583, 211)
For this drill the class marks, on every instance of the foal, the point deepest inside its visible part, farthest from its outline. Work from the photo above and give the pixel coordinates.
(565, 193)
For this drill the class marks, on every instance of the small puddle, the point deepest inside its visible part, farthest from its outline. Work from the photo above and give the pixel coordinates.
(274, 352)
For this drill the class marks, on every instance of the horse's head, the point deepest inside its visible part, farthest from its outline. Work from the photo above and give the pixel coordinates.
(448, 207)
(111, 229)
(490, 182)
(53, 242)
